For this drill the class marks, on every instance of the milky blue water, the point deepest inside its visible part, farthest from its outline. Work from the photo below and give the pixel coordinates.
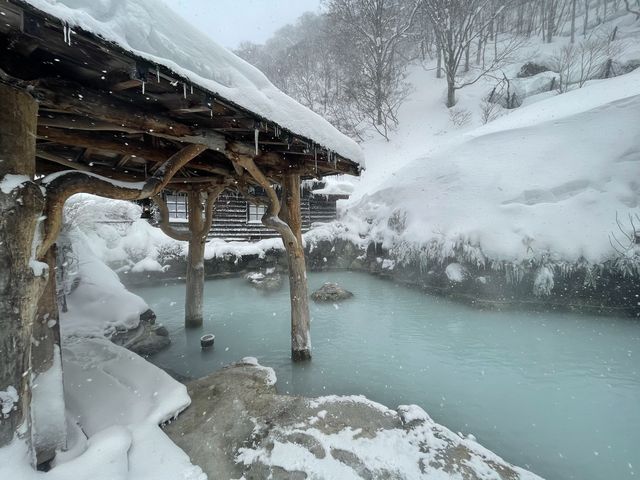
(556, 393)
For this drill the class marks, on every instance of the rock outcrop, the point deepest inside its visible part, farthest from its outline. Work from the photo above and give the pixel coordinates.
(238, 427)
(146, 339)
(331, 292)
(267, 282)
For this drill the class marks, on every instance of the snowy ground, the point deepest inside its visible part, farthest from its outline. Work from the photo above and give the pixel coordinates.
(115, 400)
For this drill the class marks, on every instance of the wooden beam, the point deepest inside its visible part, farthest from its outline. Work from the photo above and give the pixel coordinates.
(126, 85)
(190, 180)
(62, 161)
(76, 99)
(60, 188)
(109, 143)
(123, 161)
(81, 122)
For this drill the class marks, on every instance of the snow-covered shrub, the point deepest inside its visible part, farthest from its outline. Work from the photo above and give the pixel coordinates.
(398, 221)
(135, 254)
(459, 116)
(168, 252)
(489, 111)
(543, 283)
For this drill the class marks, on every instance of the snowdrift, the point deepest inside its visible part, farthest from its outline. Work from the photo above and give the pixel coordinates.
(545, 181)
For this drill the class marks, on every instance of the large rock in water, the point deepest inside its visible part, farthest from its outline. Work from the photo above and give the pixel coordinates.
(269, 282)
(146, 339)
(238, 427)
(331, 292)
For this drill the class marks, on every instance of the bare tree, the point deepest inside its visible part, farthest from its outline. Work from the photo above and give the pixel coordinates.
(580, 62)
(375, 29)
(457, 24)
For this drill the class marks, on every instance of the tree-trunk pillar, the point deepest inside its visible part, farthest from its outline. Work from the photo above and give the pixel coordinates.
(298, 290)
(195, 263)
(21, 279)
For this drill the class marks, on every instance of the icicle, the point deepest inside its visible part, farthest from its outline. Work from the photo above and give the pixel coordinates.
(191, 89)
(184, 89)
(69, 32)
(158, 73)
(143, 84)
(64, 32)
(211, 112)
(256, 135)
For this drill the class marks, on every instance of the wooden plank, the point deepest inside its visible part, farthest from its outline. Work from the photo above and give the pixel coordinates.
(127, 85)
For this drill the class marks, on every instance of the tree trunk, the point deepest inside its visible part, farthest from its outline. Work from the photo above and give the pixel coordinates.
(451, 90)
(585, 25)
(551, 20)
(21, 279)
(195, 263)
(467, 54)
(439, 64)
(298, 291)
(573, 20)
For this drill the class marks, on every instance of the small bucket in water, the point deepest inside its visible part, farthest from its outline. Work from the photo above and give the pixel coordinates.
(206, 341)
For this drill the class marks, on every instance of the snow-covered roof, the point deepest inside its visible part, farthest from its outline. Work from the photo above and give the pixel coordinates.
(154, 32)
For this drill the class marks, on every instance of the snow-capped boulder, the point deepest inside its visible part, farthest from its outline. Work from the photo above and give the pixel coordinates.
(331, 292)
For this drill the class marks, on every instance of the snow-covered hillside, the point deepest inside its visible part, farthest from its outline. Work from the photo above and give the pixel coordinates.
(542, 182)
(547, 179)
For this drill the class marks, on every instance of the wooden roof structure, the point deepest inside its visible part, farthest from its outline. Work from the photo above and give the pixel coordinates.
(105, 110)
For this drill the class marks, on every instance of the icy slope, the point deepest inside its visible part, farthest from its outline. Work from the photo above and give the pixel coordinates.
(546, 179)
(152, 30)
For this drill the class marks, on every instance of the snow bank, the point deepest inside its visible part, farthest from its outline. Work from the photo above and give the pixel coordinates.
(546, 180)
(151, 30)
(49, 428)
(100, 378)
(118, 399)
(100, 304)
(217, 248)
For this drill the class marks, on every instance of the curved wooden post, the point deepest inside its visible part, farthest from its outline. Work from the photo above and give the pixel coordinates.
(298, 290)
(290, 230)
(200, 215)
(21, 279)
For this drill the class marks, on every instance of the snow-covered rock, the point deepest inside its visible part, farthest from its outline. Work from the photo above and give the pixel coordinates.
(238, 427)
(331, 292)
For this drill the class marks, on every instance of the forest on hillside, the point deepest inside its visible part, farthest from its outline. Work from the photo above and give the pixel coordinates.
(349, 62)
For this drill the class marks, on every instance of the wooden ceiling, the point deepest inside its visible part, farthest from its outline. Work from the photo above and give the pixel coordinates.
(106, 111)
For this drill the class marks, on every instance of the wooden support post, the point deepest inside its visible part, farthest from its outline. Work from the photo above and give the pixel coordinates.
(298, 290)
(195, 263)
(290, 230)
(21, 279)
(200, 210)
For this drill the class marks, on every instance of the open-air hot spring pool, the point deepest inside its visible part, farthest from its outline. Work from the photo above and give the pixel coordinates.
(556, 393)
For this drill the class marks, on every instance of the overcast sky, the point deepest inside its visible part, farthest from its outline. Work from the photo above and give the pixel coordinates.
(230, 22)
